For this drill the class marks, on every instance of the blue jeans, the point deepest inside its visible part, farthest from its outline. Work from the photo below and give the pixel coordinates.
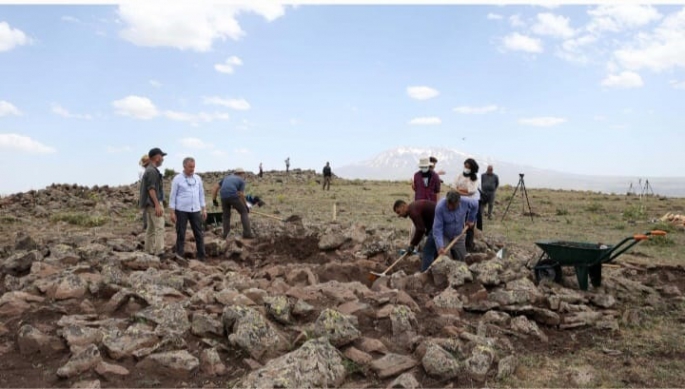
(430, 252)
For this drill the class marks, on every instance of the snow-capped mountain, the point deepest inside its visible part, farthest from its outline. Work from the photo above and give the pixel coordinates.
(402, 162)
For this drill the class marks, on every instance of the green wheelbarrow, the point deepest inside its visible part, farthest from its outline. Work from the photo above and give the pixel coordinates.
(586, 258)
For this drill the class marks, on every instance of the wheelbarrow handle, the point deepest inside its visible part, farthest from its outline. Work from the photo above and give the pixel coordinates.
(635, 239)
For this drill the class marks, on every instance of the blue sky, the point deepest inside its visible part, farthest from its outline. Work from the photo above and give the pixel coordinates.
(86, 90)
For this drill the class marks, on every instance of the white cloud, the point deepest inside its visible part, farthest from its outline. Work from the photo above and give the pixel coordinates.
(236, 104)
(542, 121)
(119, 150)
(425, 121)
(616, 18)
(519, 42)
(663, 49)
(155, 83)
(422, 92)
(11, 37)
(63, 112)
(70, 19)
(575, 49)
(516, 21)
(7, 108)
(553, 25)
(624, 79)
(188, 25)
(229, 65)
(195, 143)
(241, 151)
(492, 16)
(136, 106)
(475, 110)
(195, 118)
(677, 84)
(16, 142)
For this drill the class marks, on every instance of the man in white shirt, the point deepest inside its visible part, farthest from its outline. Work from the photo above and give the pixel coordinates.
(187, 204)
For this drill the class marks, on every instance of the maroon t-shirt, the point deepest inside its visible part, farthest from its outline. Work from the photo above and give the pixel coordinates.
(421, 213)
(429, 191)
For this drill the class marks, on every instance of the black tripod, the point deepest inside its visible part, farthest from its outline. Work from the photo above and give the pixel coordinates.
(524, 196)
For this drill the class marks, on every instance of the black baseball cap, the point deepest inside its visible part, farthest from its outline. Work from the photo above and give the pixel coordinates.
(155, 151)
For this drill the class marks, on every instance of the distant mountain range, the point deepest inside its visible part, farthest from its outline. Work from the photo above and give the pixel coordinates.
(401, 163)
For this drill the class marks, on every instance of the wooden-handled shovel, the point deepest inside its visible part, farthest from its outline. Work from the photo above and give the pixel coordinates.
(448, 248)
(292, 218)
(374, 276)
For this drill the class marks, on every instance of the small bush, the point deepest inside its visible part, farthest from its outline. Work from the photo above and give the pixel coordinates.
(169, 173)
(634, 212)
(595, 207)
(79, 219)
(562, 211)
(663, 226)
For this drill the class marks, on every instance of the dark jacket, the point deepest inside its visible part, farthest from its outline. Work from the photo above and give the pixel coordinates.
(429, 191)
(489, 182)
(422, 214)
(327, 171)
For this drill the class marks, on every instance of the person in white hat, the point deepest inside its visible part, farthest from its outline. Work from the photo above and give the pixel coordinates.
(426, 182)
(232, 189)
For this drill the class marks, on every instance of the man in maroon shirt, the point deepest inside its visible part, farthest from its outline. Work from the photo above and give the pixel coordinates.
(421, 213)
(426, 182)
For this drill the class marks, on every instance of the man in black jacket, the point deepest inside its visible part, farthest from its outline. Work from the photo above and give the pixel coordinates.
(327, 175)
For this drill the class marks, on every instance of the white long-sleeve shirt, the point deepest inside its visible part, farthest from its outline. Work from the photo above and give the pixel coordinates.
(471, 187)
(187, 193)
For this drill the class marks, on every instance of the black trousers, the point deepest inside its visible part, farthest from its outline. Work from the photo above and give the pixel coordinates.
(195, 219)
(479, 224)
(226, 206)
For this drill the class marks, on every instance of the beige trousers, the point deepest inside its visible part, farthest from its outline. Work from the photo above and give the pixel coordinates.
(154, 235)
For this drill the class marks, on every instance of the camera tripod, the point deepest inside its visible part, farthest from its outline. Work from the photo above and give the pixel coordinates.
(524, 198)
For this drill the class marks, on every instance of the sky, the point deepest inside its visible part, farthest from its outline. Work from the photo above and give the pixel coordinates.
(86, 90)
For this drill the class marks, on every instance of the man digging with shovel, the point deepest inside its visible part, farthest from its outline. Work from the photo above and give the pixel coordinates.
(449, 223)
(421, 213)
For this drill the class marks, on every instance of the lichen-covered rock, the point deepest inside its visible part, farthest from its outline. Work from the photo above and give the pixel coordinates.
(488, 272)
(170, 318)
(480, 361)
(331, 241)
(522, 325)
(120, 345)
(179, 364)
(138, 260)
(404, 381)
(392, 364)
(21, 261)
(403, 320)
(210, 362)
(278, 307)
(83, 360)
(32, 341)
(440, 363)
(449, 300)
(506, 367)
(71, 286)
(248, 330)
(79, 336)
(204, 325)
(316, 364)
(340, 329)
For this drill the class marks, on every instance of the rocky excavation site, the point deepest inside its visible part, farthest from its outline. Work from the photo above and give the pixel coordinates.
(83, 306)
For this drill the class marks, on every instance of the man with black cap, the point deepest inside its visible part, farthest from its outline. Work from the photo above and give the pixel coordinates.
(151, 200)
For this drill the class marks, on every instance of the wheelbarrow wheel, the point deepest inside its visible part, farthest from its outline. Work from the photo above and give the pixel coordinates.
(548, 269)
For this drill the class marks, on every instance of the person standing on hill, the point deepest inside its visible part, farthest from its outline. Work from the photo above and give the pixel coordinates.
(232, 189)
(327, 175)
(151, 200)
(187, 204)
(467, 186)
(144, 161)
(489, 183)
(287, 164)
(261, 172)
(426, 183)
(422, 215)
